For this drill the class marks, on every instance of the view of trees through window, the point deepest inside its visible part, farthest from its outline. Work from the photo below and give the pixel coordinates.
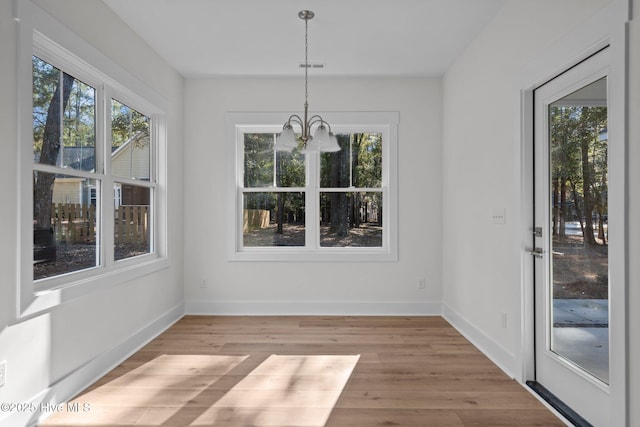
(352, 218)
(130, 162)
(66, 186)
(349, 205)
(64, 136)
(579, 193)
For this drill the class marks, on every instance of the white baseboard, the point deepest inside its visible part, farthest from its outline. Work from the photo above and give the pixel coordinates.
(321, 308)
(76, 381)
(498, 355)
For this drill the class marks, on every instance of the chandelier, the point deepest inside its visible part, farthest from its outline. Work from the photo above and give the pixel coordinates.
(323, 139)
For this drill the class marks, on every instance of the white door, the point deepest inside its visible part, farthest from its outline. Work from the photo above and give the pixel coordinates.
(571, 224)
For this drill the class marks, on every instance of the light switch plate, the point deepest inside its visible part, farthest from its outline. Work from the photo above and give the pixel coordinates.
(499, 216)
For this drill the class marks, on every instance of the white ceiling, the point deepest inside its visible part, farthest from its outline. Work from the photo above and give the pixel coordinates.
(202, 38)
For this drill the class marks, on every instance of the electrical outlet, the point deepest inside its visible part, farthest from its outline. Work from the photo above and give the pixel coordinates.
(422, 283)
(203, 283)
(3, 372)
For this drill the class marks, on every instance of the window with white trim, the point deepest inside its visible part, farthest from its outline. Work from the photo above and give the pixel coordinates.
(91, 161)
(314, 206)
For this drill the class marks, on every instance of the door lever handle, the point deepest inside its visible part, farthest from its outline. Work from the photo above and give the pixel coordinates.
(536, 252)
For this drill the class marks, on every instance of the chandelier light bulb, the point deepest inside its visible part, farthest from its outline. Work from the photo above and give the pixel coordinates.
(287, 139)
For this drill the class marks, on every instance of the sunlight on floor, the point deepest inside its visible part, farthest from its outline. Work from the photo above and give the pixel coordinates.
(291, 390)
(168, 381)
(200, 389)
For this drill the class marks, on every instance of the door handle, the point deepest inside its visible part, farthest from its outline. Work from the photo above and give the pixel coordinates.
(536, 252)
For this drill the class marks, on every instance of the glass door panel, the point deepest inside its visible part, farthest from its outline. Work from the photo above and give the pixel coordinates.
(579, 229)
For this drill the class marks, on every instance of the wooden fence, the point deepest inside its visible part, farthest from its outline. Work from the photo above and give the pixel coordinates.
(132, 224)
(75, 223)
(254, 219)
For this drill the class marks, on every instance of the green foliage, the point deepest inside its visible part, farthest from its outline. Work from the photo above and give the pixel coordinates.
(363, 153)
(264, 167)
(579, 163)
(126, 124)
(45, 80)
(358, 164)
(367, 149)
(78, 122)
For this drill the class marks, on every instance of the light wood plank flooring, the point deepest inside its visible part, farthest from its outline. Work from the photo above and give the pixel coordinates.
(307, 371)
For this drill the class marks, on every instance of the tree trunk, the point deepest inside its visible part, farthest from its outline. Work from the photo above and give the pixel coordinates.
(339, 211)
(555, 219)
(280, 213)
(44, 243)
(589, 239)
(601, 235)
(563, 207)
(43, 182)
(576, 204)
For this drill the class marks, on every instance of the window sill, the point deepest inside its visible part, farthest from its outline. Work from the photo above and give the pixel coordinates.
(41, 301)
(302, 255)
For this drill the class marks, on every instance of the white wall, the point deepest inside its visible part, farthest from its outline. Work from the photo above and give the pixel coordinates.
(8, 167)
(59, 352)
(481, 275)
(634, 213)
(482, 170)
(313, 287)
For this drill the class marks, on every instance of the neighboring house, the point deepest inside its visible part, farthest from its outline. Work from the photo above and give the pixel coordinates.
(74, 190)
(131, 160)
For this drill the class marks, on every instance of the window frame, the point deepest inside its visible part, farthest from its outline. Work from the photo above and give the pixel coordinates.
(41, 36)
(386, 123)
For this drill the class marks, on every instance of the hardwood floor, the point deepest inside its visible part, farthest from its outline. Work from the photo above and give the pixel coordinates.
(306, 371)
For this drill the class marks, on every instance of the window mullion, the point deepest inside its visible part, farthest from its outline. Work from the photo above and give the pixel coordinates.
(312, 222)
(107, 196)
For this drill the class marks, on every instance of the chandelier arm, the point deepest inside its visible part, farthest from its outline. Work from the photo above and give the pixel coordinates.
(317, 119)
(295, 119)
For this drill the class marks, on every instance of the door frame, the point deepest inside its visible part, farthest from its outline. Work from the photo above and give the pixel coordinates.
(607, 28)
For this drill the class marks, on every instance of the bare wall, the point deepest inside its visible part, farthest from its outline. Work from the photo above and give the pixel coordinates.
(633, 157)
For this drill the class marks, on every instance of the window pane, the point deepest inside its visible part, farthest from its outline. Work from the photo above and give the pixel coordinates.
(130, 147)
(351, 219)
(67, 141)
(273, 219)
(357, 164)
(64, 224)
(132, 221)
(263, 167)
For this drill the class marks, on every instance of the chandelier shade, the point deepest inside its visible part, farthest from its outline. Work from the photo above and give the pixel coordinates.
(323, 140)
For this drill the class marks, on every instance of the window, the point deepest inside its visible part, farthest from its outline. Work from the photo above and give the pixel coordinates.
(315, 206)
(70, 222)
(65, 231)
(90, 156)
